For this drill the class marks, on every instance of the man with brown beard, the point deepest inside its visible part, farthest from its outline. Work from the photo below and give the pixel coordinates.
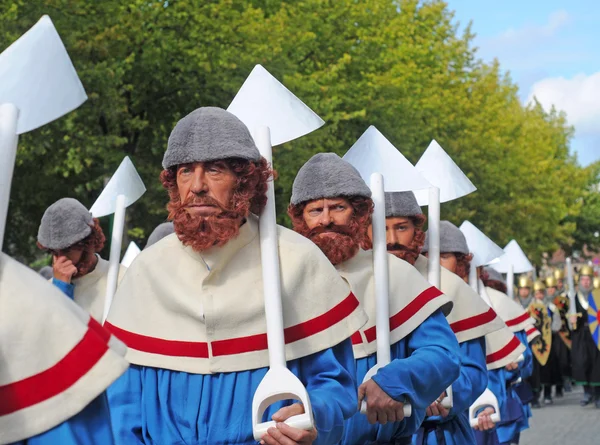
(331, 205)
(73, 237)
(191, 307)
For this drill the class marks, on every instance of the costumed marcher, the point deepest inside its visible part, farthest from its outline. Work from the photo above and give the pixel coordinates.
(509, 383)
(559, 276)
(502, 347)
(584, 352)
(57, 362)
(524, 295)
(470, 320)
(331, 205)
(546, 369)
(561, 340)
(73, 237)
(159, 232)
(191, 307)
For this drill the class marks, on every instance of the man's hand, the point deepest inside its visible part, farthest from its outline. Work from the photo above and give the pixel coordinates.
(512, 366)
(286, 435)
(436, 408)
(63, 268)
(485, 422)
(380, 407)
(573, 320)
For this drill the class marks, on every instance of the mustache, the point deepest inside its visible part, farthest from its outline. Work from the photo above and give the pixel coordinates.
(397, 246)
(331, 228)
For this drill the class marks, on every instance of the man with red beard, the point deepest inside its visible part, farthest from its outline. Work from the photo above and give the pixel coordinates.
(471, 320)
(73, 237)
(332, 206)
(191, 307)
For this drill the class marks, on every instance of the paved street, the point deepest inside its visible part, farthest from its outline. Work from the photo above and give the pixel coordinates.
(565, 422)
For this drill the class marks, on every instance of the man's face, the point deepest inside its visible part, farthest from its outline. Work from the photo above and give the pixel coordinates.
(559, 284)
(523, 292)
(448, 260)
(585, 282)
(203, 185)
(539, 295)
(399, 231)
(326, 212)
(74, 254)
(551, 290)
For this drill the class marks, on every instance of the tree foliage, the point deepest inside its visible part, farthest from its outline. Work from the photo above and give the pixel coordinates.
(400, 65)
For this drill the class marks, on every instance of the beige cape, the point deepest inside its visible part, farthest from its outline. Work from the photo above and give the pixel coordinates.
(412, 299)
(203, 312)
(54, 358)
(471, 317)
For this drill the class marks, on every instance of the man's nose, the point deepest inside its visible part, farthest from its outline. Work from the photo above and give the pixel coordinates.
(325, 219)
(199, 184)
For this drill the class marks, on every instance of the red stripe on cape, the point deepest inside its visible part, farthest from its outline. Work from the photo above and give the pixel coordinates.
(403, 315)
(60, 377)
(239, 345)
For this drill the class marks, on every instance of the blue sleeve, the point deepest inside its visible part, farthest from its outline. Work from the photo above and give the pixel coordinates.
(526, 367)
(90, 426)
(67, 288)
(473, 377)
(329, 377)
(497, 384)
(432, 365)
(125, 401)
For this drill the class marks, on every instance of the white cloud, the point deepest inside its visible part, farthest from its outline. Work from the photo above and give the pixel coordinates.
(579, 97)
(533, 33)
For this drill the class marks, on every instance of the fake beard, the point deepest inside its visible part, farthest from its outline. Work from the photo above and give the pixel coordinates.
(86, 264)
(408, 254)
(203, 232)
(338, 243)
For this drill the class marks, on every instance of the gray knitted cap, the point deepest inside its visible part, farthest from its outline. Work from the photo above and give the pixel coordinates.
(451, 239)
(64, 223)
(159, 233)
(47, 272)
(208, 134)
(493, 274)
(401, 204)
(326, 175)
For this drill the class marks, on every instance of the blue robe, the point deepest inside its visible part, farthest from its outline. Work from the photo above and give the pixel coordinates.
(424, 364)
(513, 415)
(161, 406)
(91, 426)
(471, 383)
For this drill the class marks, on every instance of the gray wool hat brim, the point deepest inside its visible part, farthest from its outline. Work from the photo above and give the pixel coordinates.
(46, 272)
(208, 134)
(451, 239)
(159, 233)
(493, 274)
(326, 175)
(64, 223)
(399, 204)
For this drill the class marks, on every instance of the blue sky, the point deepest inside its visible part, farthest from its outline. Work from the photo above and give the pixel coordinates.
(552, 50)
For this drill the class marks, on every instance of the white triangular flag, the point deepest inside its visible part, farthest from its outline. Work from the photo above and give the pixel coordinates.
(513, 254)
(38, 77)
(442, 172)
(125, 181)
(373, 153)
(132, 251)
(484, 250)
(264, 101)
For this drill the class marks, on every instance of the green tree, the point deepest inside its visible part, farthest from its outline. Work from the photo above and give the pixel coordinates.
(400, 65)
